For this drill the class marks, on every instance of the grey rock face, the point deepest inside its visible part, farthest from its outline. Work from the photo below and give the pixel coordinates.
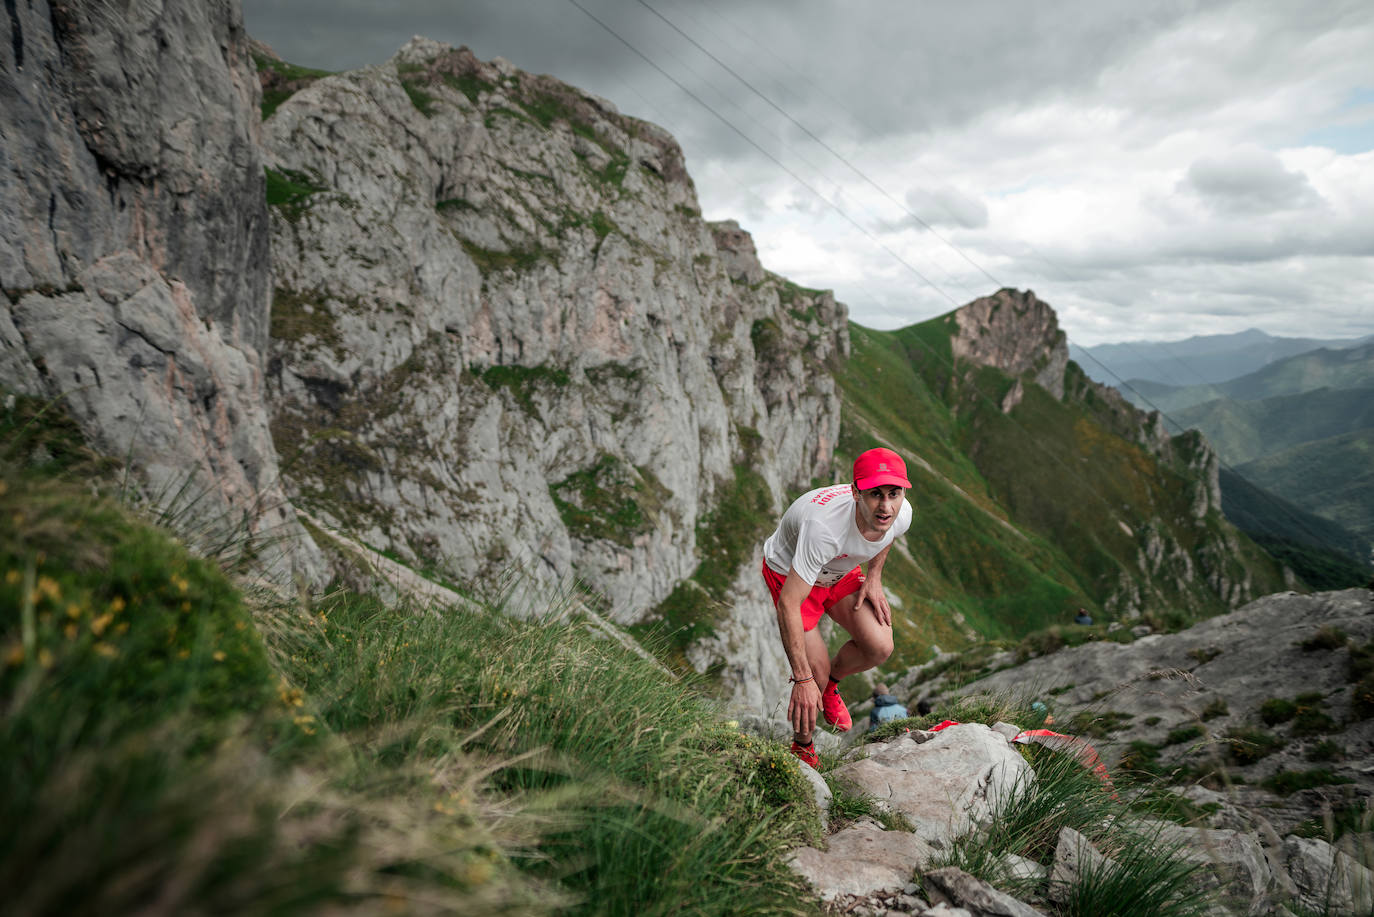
(504, 336)
(1017, 333)
(1190, 695)
(133, 249)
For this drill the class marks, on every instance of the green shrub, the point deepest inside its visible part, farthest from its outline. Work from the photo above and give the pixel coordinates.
(1246, 745)
(419, 97)
(1097, 723)
(290, 191)
(1185, 733)
(1286, 782)
(1326, 750)
(1215, 707)
(1276, 710)
(1326, 637)
(1204, 654)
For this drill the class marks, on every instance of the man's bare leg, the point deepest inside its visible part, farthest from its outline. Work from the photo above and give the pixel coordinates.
(869, 644)
(819, 658)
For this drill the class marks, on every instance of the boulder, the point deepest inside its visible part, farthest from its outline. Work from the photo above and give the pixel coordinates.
(952, 885)
(1328, 880)
(862, 859)
(1235, 862)
(944, 786)
(820, 790)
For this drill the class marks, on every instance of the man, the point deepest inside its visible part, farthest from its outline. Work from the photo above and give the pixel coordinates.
(811, 565)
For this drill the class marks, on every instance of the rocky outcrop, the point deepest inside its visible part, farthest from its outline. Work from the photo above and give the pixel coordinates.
(503, 336)
(134, 248)
(1195, 701)
(863, 868)
(1015, 332)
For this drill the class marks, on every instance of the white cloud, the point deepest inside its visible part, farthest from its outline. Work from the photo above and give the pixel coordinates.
(1152, 170)
(1249, 182)
(943, 205)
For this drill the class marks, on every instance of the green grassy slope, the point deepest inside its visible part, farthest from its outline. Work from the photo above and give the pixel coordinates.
(168, 742)
(1020, 518)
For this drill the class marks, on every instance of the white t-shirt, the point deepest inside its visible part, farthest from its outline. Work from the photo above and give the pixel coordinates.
(819, 538)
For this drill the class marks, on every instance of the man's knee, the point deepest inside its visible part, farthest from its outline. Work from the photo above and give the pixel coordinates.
(878, 647)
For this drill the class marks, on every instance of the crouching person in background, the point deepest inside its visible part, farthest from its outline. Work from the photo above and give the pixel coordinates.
(885, 707)
(812, 567)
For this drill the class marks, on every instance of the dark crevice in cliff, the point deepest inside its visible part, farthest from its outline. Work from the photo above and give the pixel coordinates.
(16, 34)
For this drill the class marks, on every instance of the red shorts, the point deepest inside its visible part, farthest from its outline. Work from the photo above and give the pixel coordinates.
(820, 599)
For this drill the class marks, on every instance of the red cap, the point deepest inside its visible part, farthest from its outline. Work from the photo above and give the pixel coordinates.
(879, 466)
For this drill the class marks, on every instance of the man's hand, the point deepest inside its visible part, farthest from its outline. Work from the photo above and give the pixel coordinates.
(872, 592)
(802, 708)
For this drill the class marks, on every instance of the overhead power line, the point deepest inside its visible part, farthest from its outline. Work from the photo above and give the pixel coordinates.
(870, 236)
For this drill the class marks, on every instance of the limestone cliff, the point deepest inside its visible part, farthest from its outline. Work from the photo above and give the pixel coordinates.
(503, 336)
(133, 244)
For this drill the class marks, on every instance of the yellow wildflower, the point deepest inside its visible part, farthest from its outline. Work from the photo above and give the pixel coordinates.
(47, 586)
(117, 604)
(306, 723)
(99, 624)
(12, 577)
(45, 658)
(185, 606)
(73, 610)
(106, 650)
(70, 630)
(218, 655)
(15, 655)
(122, 627)
(183, 654)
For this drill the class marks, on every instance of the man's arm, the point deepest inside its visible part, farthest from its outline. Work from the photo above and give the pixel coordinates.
(872, 589)
(806, 694)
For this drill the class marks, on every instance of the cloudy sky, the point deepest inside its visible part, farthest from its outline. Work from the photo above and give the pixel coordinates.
(1153, 170)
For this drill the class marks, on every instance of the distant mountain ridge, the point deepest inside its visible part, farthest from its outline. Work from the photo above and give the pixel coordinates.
(1335, 368)
(1197, 360)
(1301, 428)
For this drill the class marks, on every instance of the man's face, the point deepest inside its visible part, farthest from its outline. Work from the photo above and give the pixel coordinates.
(878, 507)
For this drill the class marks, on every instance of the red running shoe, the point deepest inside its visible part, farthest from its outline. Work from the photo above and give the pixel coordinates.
(807, 753)
(836, 713)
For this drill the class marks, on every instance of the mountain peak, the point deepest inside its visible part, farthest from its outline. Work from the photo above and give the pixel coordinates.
(1015, 332)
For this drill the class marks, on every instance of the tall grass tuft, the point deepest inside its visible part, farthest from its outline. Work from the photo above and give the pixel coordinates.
(651, 806)
(1146, 876)
(1058, 792)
